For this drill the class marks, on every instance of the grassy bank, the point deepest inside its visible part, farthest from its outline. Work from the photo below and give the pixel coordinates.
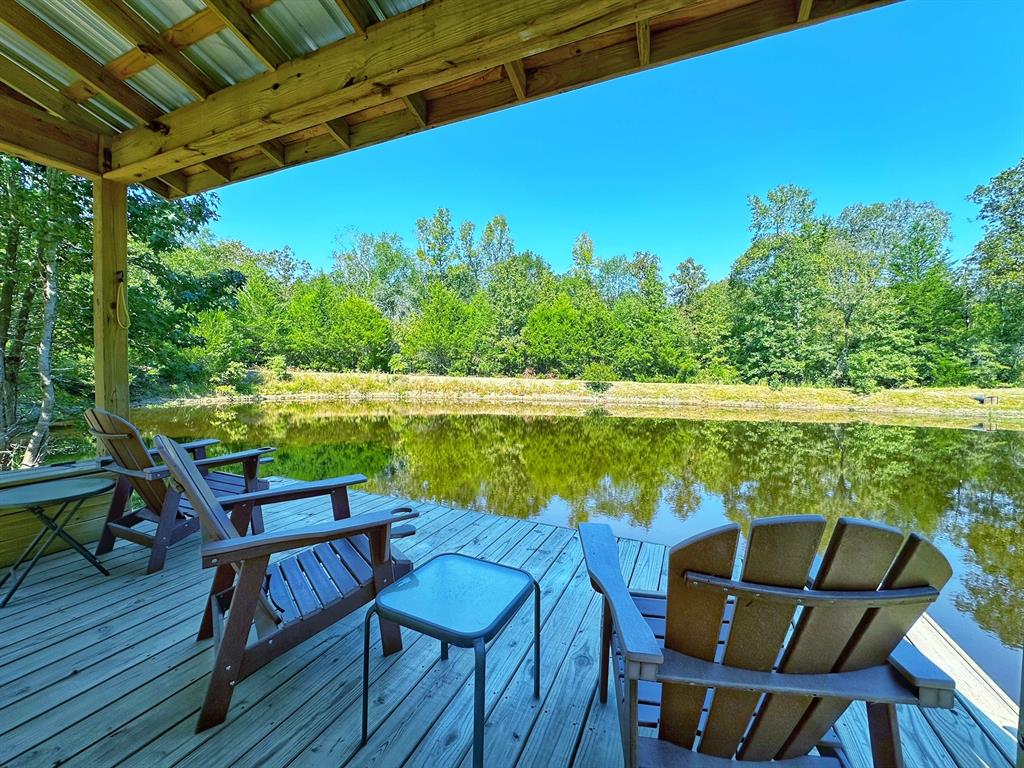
(951, 403)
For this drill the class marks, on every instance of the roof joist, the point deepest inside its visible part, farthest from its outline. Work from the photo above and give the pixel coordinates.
(733, 26)
(156, 48)
(31, 133)
(426, 47)
(96, 76)
(239, 20)
(433, 65)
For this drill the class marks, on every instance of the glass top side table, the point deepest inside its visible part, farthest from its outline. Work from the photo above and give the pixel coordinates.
(461, 601)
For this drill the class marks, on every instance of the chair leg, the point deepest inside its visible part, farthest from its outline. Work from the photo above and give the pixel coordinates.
(228, 660)
(383, 575)
(606, 651)
(164, 529)
(223, 578)
(883, 725)
(118, 505)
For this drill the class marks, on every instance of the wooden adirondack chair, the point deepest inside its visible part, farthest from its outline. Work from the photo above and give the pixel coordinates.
(162, 505)
(341, 566)
(810, 641)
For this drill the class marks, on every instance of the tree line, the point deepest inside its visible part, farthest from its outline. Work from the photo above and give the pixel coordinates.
(866, 299)
(869, 298)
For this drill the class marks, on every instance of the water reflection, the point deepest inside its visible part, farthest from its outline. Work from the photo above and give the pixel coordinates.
(665, 478)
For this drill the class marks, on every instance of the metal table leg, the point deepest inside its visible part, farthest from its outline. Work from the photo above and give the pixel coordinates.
(366, 674)
(51, 532)
(58, 528)
(536, 640)
(479, 689)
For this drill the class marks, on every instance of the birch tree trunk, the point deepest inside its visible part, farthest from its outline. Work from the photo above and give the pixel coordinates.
(41, 433)
(47, 248)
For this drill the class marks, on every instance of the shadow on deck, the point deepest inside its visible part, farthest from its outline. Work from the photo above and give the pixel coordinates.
(101, 671)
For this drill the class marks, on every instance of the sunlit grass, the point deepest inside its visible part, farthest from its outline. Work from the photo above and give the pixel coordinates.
(953, 401)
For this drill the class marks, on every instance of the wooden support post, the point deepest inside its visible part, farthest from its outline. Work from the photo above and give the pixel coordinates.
(109, 310)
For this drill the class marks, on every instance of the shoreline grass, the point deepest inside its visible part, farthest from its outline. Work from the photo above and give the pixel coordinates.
(950, 403)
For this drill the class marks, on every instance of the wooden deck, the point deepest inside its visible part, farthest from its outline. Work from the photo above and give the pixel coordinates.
(101, 671)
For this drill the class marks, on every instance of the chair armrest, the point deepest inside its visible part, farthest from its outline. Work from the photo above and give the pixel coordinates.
(292, 491)
(934, 687)
(636, 638)
(191, 447)
(263, 544)
(253, 454)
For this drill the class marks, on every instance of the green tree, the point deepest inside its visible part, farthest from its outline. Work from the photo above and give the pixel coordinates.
(996, 270)
(449, 335)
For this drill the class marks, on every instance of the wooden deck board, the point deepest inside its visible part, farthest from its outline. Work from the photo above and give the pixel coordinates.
(101, 671)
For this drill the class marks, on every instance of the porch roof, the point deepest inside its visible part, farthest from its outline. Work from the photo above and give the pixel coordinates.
(186, 97)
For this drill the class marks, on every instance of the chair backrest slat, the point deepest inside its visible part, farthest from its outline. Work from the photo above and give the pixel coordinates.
(693, 624)
(858, 556)
(216, 524)
(780, 552)
(126, 447)
(214, 520)
(918, 564)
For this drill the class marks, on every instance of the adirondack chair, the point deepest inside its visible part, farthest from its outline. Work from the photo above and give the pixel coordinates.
(809, 641)
(162, 505)
(340, 567)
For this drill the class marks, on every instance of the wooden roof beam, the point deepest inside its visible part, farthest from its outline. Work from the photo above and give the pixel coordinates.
(432, 45)
(42, 93)
(803, 12)
(119, 15)
(30, 133)
(359, 14)
(56, 45)
(209, 129)
(240, 21)
(516, 72)
(643, 41)
(417, 106)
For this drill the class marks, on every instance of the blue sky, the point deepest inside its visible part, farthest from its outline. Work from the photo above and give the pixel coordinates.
(922, 100)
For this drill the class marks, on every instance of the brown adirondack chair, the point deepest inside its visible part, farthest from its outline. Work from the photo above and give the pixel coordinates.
(809, 641)
(162, 503)
(340, 567)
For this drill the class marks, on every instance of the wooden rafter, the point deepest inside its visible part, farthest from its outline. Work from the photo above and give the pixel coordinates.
(416, 103)
(516, 72)
(42, 93)
(438, 43)
(712, 33)
(119, 15)
(31, 133)
(192, 29)
(273, 149)
(643, 41)
(220, 167)
(241, 22)
(803, 12)
(341, 132)
(35, 31)
(358, 13)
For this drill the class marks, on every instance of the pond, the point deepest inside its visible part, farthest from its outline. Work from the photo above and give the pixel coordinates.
(663, 479)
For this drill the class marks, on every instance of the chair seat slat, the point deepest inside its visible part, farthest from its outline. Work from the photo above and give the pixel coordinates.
(325, 589)
(303, 594)
(338, 573)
